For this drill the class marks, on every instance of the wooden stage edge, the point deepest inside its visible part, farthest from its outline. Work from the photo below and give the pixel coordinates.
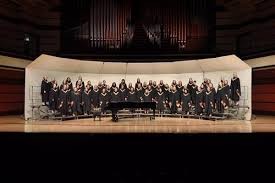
(138, 125)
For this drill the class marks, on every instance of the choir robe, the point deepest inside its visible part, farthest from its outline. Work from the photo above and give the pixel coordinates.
(226, 91)
(45, 90)
(132, 97)
(103, 100)
(70, 86)
(209, 102)
(185, 100)
(87, 101)
(64, 102)
(162, 86)
(95, 98)
(115, 97)
(147, 97)
(219, 96)
(235, 88)
(144, 88)
(124, 84)
(100, 88)
(160, 99)
(109, 93)
(123, 94)
(136, 85)
(154, 91)
(199, 102)
(77, 101)
(166, 94)
(179, 88)
(53, 99)
(193, 93)
(189, 87)
(139, 93)
(174, 98)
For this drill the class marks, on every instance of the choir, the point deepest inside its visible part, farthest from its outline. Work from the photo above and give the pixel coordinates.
(79, 99)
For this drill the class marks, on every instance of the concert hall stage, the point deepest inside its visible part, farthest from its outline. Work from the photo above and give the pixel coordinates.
(138, 125)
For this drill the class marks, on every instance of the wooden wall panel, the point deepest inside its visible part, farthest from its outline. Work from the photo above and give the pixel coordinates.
(12, 89)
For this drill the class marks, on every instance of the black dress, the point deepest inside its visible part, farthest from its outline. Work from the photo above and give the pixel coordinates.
(226, 92)
(64, 102)
(95, 98)
(53, 99)
(186, 101)
(160, 99)
(193, 93)
(199, 102)
(87, 101)
(235, 89)
(174, 98)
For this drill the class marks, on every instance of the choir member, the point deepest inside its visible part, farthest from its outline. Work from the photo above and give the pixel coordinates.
(219, 97)
(193, 92)
(139, 92)
(235, 88)
(147, 96)
(199, 101)
(226, 90)
(103, 100)
(166, 92)
(64, 101)
(113, 87)
(179, 86)
(123, 93)
(174, 99)
(132, 97)
(79, 80)
(150, 83)
(45, 89)
(87, 101)
(80, 85)
(62, 85)
(95, 97)
(137, 83)
(108, 91)
(161, 84)
(115, 95)
(185, 102)
(104, 84)
(76, 101)
(69, 83)
(160, 100)
(130, 85)
(174, 83)
(205, 83)
(122, 84)
(209, 101)
(144, 86)
(53, 98)
(99, 86)
(154, 89)
(89, 85)
(190, 85)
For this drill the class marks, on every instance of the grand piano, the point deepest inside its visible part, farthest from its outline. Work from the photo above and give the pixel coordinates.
(116, 106)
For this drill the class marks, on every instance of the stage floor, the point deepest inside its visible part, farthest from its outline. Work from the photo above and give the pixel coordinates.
(138, 125)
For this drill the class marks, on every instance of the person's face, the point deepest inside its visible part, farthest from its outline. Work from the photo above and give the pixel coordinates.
(149, 87)
(234, 75)
(154, 83)
(130, 84)
(150, 82)
(138, 80)
(79, 78)
(95, 87)
(180, 83)
(104, 90)
(123, 81)
(161, 81)
(226, 82)
(114, 84)
(104, 82)
(99, 83)
(190, 80)
(202, 86)
(89, 82)
(185, 91)
(115, 89)
(144, 84)
(132, 89)
(208, 89)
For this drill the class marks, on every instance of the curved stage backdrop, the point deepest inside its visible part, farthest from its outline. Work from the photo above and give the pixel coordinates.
(138, 26)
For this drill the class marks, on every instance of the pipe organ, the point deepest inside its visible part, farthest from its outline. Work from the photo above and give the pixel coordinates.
(102, 26)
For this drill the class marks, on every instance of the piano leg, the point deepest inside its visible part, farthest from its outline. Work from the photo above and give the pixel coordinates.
(114, 116)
